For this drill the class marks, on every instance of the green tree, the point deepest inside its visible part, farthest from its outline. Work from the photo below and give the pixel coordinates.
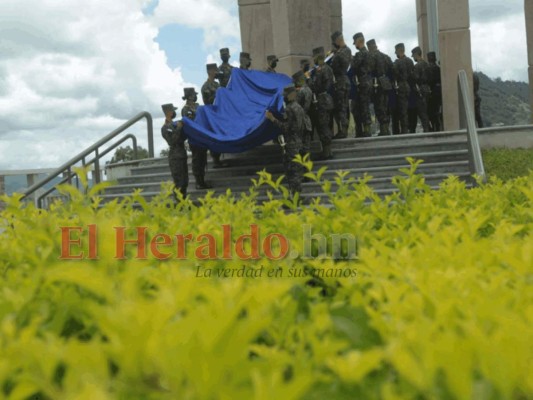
(127, 154)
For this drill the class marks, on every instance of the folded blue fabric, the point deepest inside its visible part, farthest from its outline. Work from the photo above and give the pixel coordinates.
(236, 122)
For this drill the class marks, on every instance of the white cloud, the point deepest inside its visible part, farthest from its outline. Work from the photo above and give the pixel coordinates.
(74, 71)
(213, 16)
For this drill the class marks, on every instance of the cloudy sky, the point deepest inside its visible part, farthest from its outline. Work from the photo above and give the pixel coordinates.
(71, 70)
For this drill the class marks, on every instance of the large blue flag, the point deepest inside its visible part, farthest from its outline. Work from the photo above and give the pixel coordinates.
(236, 122)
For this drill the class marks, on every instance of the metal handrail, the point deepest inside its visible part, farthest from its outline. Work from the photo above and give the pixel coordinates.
(465, 100)
(71, 174)
(94, 148)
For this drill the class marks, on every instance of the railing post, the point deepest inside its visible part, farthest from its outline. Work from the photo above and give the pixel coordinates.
(96, 176)
(150, 128)
(465, 103)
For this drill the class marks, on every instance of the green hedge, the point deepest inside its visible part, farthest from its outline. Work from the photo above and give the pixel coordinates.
(508, 164)
(440, 307)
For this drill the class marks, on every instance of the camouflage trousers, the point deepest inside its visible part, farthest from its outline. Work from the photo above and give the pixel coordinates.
(402, 105)
(422, 110)
(177, 160)
(341, 102)
(380, 99)
(434, 115)
(363, 103)
(199, 162)
(306, 140)
(293, 171)
(323, 125)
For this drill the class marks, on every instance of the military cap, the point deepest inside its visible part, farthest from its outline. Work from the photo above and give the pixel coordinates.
(358, 35)
(188, 92)
(319, 51)
(211, 67)
(400, 46)
(335, 36)
(432, 55)
(298, 77)
(304, 62)
(245, 55)
(272, 58)
(168, 107)
(416, 50)
(289, 89)
(371, 43)
(223, 51)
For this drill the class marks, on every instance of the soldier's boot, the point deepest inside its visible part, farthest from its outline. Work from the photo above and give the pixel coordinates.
(326, 152)
(216, 160)
(343, 134)
(367, 130)
(202, 184)
(384, 130)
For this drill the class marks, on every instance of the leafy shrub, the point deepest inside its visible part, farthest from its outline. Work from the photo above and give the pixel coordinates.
(508, 164)
(440, 307)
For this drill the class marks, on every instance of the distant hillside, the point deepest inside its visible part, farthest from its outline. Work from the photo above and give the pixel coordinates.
(504, 102)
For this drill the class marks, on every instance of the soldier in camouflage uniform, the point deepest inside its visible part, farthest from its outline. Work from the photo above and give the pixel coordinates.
(292, 128)
(403, 75)
(304, 98)
(381, 73)
(245, 61)
(361, 64)
(224, 68)
(321, 84)
(177, 156)
(421, 87)
(272, 63)
(209, 90)
(199, 154)
(435, 97)
(340, 64)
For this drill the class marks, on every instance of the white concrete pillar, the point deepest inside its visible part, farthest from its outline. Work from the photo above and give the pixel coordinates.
(423, 28)
(298, 27)
(256, 31)
(455, 55)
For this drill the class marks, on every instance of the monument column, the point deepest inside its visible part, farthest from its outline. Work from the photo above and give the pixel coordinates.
(298, 27)
(528, 10)
(256, 31)
(456, 55)
(423, 28)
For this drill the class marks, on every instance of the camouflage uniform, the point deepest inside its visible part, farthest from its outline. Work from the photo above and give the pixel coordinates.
(305, 98)
(292, 128)
(339, 65)
(209, 92)
(435, 98)
(177, 156)
(199, 154)
(361, 64)
(422, 91)
(225, 69)
(322, 85)
(403, 74)
(381, 73)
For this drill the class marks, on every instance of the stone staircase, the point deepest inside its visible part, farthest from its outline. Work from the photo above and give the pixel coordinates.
(443, 154)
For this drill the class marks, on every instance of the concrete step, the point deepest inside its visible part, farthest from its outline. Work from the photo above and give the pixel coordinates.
(221, 187)
(391, 170)
(337, 163)
(308, 197)
(354, 147)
